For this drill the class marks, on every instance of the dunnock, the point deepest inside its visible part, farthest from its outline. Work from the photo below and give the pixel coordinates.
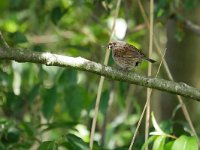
(126, 56)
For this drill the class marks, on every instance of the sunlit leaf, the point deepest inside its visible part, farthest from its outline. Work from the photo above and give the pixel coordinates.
(159, 143)
(185, 143)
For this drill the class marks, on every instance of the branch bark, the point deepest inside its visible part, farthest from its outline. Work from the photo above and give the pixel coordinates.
(188, 24)
(49, 59)
(191, 26)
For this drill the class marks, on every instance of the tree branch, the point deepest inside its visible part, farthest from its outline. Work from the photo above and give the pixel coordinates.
(79, 63)
(191, 26)
(188, 24)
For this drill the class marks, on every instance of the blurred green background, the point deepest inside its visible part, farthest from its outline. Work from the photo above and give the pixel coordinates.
(52, 107)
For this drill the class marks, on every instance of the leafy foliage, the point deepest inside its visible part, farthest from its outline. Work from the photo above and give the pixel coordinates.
(47, 107)
(159, 139)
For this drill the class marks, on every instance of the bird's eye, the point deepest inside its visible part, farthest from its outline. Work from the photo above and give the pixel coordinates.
(109, 46)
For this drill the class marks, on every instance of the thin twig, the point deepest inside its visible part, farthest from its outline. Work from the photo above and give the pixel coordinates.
(162, 59)
(137, 28)
(191, 26)
(147, 122)
(102, 80)
(138, 125)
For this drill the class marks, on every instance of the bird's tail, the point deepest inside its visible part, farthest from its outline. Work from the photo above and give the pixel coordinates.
(150, 60)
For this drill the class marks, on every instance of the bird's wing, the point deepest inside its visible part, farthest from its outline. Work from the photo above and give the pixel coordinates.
(133, 51)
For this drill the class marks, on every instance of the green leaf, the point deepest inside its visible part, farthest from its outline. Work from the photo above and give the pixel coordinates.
(49, 97)
(189, 5)
(18, 37)
(104, 101)
(192, 144)
(76, 142)
(74, 98)
(163, 9)
(57, 14)
(2, 146)
(166, 126)
(169, 145)
(67, 78)
(48, 145)
(27, 128)
(159, 143)
(150, 140)
(60, 124)
(4, 5)
(34, 92)
(185, 143)
(179, 34)
(180, 143)
(12, 135)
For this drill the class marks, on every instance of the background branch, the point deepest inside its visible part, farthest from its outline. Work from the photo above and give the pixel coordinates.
(191, 26)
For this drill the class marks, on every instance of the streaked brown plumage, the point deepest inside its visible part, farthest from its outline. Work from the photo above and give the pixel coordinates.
(127, 56)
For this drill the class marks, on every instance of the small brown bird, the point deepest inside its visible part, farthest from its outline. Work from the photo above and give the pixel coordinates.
(127, 56)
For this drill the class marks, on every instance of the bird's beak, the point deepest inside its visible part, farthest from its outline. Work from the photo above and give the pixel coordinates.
(108, 47)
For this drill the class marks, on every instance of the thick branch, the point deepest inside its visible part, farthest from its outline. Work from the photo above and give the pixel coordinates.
(90, 66)
(86, 65)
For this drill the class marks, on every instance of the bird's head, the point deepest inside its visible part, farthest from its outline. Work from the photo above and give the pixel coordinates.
(111, 45)
(114, 44)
